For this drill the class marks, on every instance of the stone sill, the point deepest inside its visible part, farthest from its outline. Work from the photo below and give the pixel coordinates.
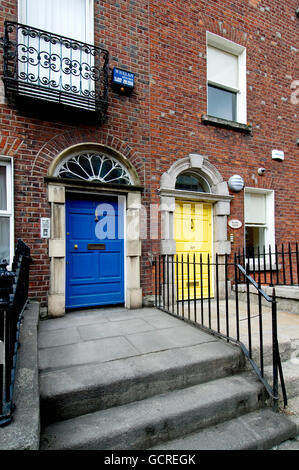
(284, 292)
(218, 122)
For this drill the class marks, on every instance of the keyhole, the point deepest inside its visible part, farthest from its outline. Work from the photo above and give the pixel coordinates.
(192, 224)
(96, 218)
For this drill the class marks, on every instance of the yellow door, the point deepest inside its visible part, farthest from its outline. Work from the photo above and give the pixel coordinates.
(193, 235)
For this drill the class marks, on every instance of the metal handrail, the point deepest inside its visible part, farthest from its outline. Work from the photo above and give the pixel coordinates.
(168, 298)
(11, 314)
(277, 368)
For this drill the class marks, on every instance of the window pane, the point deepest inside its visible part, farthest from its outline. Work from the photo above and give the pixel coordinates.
(221, 103)
(222, 68)
(4, 238)
(58, 16)
(255, 208)
(3, 189)
(188, 183)
(94, 167)
(255, 239)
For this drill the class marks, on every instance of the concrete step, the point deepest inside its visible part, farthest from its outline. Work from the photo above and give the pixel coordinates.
(292, 413)
(146, 423)
(259, 430)
(73, 391)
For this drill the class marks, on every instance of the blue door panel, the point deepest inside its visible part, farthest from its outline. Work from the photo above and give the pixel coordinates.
(95, 289)
(110, 265)
(82, 266)
(94, 276)
(82, 226)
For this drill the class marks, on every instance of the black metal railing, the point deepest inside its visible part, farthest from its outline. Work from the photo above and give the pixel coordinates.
(199, 291)
(46, 66)
(275, 266)
(12, 305)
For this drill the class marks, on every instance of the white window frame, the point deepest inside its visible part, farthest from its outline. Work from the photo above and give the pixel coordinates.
(269, 226)
(240, 51)
(89, 8)
(7, 162)
(44, 74)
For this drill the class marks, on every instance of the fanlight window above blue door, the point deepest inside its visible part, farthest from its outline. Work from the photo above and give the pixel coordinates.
(93, 166)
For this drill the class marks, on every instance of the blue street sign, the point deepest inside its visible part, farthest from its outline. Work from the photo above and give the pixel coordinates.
(122, 78)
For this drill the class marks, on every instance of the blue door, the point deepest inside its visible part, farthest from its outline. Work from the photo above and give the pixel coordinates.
(94, 252)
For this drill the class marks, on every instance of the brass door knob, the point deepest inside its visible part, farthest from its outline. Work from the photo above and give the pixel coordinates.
(76, 247)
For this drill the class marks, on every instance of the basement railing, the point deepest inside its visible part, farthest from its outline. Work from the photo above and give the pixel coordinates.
(197, 290)
(41, 65)
(13, 300)
(274, 266)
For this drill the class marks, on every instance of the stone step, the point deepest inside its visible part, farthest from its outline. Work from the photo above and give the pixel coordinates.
(259, 430)
(146, 423)
(292, 413)
(73, 391)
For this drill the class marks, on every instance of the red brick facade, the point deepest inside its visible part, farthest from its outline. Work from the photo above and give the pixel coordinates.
(164, 44)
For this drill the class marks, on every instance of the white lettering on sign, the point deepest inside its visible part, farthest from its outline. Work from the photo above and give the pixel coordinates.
(235, 223)
(123, 78)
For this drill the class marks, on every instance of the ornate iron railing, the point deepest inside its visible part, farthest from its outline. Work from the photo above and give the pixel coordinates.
(46, 66)
(197, 290)
(12, 305)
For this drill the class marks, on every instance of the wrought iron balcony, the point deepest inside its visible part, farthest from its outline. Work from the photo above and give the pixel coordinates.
(40, 65)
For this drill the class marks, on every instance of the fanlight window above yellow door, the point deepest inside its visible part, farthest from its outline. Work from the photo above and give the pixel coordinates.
(188, 181)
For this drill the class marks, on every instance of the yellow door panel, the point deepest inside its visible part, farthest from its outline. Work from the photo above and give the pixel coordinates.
(193, 235)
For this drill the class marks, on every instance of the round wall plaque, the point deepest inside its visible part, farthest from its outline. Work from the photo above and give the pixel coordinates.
(235, 223)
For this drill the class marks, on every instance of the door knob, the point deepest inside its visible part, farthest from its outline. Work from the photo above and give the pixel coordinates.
(76, 247)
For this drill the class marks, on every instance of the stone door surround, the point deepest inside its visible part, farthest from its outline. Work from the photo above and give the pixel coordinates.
(218, 196)
(57, 193)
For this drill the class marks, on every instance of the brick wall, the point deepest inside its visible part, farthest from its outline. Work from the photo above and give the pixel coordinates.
(164, 44)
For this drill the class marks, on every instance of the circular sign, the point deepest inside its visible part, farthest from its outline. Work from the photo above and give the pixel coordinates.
(235, 223)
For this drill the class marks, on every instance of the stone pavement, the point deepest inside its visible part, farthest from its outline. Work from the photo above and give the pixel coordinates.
(107, 334)
(84, 336)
